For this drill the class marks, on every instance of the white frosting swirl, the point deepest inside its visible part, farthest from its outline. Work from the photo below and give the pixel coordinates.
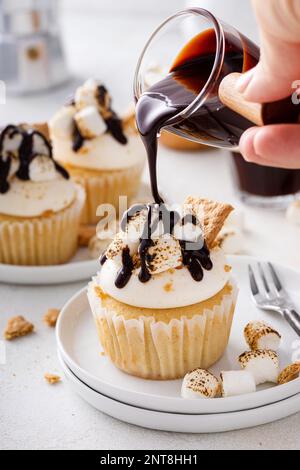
(100, 150)
(169, 289)
(101, 153)
(33, 199)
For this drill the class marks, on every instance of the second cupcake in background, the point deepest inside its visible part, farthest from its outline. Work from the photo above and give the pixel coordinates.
(40, 206)
(100, 150)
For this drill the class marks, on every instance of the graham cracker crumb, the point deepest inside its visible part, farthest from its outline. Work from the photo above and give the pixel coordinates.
(17, 327)
(168, 287)
(52, 379)
(289, 374)
(102, 353)
(86, 233)
(51, 316)
(214, 216)
(227, 268)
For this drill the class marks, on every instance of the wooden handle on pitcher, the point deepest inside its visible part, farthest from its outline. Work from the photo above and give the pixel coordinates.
(278, 112)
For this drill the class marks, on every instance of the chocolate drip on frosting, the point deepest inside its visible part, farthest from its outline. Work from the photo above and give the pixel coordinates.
(195, 255)
(26, 154)
(113, 122)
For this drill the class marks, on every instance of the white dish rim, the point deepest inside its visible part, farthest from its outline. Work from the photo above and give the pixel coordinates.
(218, 405)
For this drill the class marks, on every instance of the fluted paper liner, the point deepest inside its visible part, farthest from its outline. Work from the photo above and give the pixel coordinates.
(162, 351)
(41, 241)
(105, 187)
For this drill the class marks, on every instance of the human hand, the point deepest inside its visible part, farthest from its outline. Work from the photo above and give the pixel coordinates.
(273, 79)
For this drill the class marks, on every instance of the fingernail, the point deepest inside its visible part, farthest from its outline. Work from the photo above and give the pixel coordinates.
(244, 81)
(247, 144)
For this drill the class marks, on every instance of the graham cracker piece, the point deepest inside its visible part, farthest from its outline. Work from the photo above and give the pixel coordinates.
(41, 127)
(52, 379)
(17, 327)
(290, 373)
(214, 215)
(86, 233)
(51, 316)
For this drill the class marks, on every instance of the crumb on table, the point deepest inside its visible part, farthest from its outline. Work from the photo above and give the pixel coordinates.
(16, 327)
(51, 316)
(52, 379)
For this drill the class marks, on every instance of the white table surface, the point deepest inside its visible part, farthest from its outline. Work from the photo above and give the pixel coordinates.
(36, 415)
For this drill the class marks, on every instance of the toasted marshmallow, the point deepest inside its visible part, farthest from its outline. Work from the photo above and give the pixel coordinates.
(231, 241)
(85, 95)
(237, 382)
(118, 245)
(164, 254)
(90, 123)
(293, 213)
(259, 335)
(42, 168)
(62, 124)
(290, 373)
(188, 232)
(11, 144)
(200, 384)
(40, 145)
(97, 246)
(14, 166)
(262, 364)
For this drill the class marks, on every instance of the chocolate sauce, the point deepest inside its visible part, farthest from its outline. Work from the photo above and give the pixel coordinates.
(212, 122)
(264, 181)
(110, 117)
(26, 155)
(195, 255)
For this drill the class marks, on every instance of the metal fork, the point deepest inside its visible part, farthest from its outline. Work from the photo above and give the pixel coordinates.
(272, 295)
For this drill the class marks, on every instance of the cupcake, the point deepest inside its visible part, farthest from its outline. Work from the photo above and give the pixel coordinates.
(101, 151)
(164, 299)
(40, 207)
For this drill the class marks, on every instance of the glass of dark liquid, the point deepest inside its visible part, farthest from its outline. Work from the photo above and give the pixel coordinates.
(187, 58)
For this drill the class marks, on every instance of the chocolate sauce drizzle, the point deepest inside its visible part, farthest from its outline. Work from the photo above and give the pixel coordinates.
(110, 117)
(195, 255)
(26, 154)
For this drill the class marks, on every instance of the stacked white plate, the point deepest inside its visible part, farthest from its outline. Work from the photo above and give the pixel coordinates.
(157, 404)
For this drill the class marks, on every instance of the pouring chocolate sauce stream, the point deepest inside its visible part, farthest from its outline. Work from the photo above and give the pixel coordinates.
(167, 99)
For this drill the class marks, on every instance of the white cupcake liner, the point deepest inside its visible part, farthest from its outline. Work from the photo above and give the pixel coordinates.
(45, 240)
(162, 351)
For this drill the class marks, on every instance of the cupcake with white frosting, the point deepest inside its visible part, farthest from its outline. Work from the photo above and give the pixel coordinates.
(40, 207)
(100, 150)
(164, 298)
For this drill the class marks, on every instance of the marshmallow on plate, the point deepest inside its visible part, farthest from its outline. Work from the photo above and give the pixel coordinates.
(260, 335)
(62, 124)
(237, 382)
(263, 364)
(290, 373)
(90, 123)
(42, 168)
(200, 383)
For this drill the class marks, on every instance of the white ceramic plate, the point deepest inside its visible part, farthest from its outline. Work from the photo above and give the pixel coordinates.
(81, 267)
(79, 346)
(176, 422)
